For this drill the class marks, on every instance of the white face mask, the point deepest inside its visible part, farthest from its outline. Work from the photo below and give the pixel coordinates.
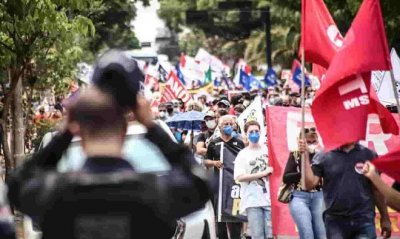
(246, 103)
(211, 124)
(162, 114)
(313, 148)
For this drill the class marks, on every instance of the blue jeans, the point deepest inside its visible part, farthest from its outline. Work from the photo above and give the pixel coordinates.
(306, 209)
(349, 228)
(259, 219)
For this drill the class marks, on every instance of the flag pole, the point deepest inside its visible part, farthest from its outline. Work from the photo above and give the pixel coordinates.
(303, 178)
(396, 94)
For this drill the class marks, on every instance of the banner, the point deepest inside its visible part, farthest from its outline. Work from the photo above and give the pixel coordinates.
(382, 82)
(229, 190)
(284, 124)
(253, 112)
(174, 89)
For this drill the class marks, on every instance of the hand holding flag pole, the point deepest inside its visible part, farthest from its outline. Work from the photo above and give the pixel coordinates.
(303, 178)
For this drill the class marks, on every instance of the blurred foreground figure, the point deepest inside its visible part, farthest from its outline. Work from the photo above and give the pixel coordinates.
(107, 199)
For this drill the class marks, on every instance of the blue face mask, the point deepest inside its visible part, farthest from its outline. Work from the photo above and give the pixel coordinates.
(228, 130)
(254, 137)
(234, 134)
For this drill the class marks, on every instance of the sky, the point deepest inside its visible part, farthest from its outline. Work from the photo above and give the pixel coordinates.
(147, 23)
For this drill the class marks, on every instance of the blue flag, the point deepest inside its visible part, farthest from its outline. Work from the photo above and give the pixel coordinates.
(296, 77)
(249, 81)
(217, 81)
(179, 74)
(270, 77)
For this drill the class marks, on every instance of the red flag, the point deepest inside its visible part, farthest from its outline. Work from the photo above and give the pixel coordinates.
(342, 104)
(182, 60)
(174, 89)
(388, 123)
(319, 71)
(320, 38)
(390, 164)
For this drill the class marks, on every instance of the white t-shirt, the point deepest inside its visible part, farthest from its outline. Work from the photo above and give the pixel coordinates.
(257, 192)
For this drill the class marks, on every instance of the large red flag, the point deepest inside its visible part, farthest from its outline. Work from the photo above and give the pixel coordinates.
(342, 104)
(390, 164)
(320, 38)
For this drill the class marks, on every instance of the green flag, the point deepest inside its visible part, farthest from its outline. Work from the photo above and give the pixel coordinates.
(208, 78)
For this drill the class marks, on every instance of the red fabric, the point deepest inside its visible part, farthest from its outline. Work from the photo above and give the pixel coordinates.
(343, 102)
(182, 61)
(318, 71)
(152, 82)
(247, 69)
(320, 37)
(174, 89)
(390, 163)
(284, 124)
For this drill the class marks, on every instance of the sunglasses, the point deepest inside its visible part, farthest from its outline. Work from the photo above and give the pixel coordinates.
(310, 130)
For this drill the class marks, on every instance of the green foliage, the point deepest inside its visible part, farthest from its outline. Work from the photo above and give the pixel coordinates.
(42, 127)
(112, 20)
(285, 19)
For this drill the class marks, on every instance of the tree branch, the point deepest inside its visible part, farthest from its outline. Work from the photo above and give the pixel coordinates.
(7, 47)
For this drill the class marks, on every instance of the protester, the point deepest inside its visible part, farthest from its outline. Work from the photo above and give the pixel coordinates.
(205, 137)
(252, 171)
(213, 160)
(162, 112)
(350, 200)
(38, 190)
(41, 115)
(306, 206)
(7, 229)
(392, 195)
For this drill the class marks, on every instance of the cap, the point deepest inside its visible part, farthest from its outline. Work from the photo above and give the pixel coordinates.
(209, 114)
(225, 102)
(118, 74)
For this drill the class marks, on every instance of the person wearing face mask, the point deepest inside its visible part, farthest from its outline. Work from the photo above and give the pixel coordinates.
(170, 110)
(162, 112)
(205, 137)
(213, 160)
(306, 206)
(252, 171)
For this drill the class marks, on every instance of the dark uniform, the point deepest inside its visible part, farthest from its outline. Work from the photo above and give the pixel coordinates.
(107, 199)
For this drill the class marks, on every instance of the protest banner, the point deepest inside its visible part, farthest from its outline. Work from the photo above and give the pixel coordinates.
(229, 190)
(284, 125)
(174, 89)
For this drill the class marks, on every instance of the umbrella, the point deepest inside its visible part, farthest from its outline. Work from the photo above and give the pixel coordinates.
(190, 120)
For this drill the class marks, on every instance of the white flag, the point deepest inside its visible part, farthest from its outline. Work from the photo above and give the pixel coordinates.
(253, 112)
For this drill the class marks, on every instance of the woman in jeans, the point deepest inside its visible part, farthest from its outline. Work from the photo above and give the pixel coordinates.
(252, 171)
(306, 207)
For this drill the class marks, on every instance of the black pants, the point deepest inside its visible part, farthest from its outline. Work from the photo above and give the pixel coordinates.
(234, 228)
(349, 228)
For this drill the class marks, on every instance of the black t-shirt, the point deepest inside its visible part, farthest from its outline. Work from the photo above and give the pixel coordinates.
(204, 136)
(214, 148)
(346, 192)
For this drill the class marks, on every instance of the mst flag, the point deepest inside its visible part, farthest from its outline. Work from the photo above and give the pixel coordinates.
(342, 104)
(229, 190)
(253, 112)
(390, 163)
(270, 77)
(320, 38)
(174, 89)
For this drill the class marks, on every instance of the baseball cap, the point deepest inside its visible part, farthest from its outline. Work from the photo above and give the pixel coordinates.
(118, 74)
(209, 114)
(224, 102)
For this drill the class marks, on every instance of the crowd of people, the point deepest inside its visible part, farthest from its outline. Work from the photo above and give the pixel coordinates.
(337, 198)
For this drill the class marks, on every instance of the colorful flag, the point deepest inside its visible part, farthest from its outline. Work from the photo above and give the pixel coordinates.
(318, 71)
(163, 73)
(270, 77)
(296, 74)
(182, 61)
(208, 76)
(174, 89)
(320, 38)
(180, 75)
(343, 102)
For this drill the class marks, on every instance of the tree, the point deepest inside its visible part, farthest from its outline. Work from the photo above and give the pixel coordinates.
(285, 20)
(112, 20)
(40, 37)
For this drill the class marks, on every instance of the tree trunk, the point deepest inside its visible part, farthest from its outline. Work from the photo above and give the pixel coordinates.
(4, 123)
(18, 124)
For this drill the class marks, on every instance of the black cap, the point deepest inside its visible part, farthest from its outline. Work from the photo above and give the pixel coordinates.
(117, 73)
